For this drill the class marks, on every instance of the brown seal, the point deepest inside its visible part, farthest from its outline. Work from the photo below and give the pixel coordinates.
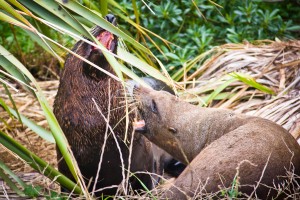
(84, 126)
(219, 144)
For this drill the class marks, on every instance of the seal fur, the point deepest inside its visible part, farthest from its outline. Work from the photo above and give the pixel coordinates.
(84, 127)
(215, 143)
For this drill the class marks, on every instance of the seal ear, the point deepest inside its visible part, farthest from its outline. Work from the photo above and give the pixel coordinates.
(172, 130)
(154, 107)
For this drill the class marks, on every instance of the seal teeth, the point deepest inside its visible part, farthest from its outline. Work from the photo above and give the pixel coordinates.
(139, 126)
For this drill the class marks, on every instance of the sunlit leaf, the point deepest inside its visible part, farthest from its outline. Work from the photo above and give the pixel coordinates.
(251, 82)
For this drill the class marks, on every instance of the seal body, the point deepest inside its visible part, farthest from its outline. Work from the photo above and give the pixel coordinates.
(82, 88)
(219, 147)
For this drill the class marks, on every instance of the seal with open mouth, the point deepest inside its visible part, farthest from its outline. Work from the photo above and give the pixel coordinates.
(81, 86)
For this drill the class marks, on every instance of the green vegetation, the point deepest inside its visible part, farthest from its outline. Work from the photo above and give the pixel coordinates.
(194, 27)
(189, 29)
(233, 192)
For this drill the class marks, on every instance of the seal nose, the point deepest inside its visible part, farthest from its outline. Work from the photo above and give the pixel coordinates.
(110, 18)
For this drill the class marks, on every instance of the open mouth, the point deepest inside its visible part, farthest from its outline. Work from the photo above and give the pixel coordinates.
(107, 40)
(139, 126)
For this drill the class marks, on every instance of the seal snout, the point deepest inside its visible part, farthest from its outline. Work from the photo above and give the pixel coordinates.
(138, 93)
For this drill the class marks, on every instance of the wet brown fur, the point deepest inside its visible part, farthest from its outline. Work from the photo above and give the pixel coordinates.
(216, 142)
(84, 127)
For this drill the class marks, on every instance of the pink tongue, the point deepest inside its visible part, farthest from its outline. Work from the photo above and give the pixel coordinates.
(105, 38)
(138, 124)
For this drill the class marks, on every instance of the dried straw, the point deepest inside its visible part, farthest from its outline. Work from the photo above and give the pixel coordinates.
(273, 64)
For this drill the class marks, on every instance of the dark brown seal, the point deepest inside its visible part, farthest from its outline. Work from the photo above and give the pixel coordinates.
(85, 128)
(220, 144)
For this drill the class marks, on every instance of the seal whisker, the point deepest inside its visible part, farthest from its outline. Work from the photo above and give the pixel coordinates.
(128, 101)
(123, 97)
(123, 106)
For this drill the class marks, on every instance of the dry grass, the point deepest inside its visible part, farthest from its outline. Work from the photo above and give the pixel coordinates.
(273, 64)
(27, 105)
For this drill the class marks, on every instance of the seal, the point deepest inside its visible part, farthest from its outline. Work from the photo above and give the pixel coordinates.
(180, 128)
(164, 162)
(81, 87)
(218, 145)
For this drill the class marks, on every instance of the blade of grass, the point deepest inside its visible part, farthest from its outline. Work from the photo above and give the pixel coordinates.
(220, 96)
(104, 7)
(9, 182)
(136, 11)
(54, 13)
(8, 8)
(143, 66)
(11, 76)
(91, 5)
(114, 4)
(29, 123)
(31, 33)
(13, 103)
(19, 6)
(60, 139)
(6, 124)
(178, 75)
(54, 47)
(9, 67)
(12, 174)
(37, 163)
(219, 89)
(144, 186)
(144, 32)
(251, 82)
(6, 18)
(97, 19)
(29, 27)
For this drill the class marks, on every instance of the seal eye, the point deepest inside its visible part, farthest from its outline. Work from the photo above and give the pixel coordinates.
(172, 130)
(154, 107)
